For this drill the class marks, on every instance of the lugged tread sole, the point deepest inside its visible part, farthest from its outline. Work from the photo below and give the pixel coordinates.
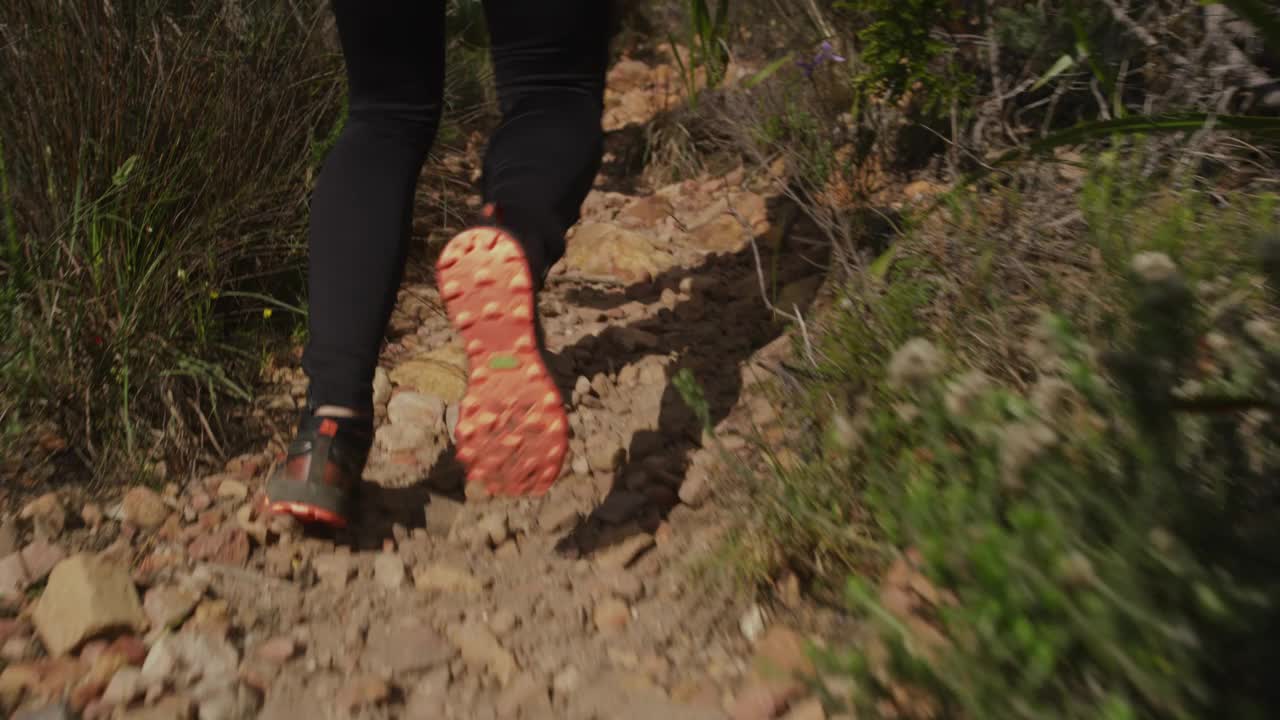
(513, 433)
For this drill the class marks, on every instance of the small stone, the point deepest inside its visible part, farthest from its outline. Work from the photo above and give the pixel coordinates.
(85, 597)
(258, 674)
(451, 416)
(494, 528)
(129, 647)
(503, 622)
(752, 623)
(212, 614)
(91, 515)
(580, 465)
(611, 615)
(171, 707)
(16, 648)
(363, 691)
(284, 525)
(405, 646)
(416, 409)
(13, 578)
(402, 438)
(759, 701)
(557, 516)
(441, 514)
(428, 696)
(624, 659)
(334, 569)
(662, 536)
(144, 508)
(624, 584)
(810, 709)
(482, 651)
(56, 711)
(566, 681)
(526, 694)
(625, 552)
(9, 628)
(233, 490)
(477, 493)
(91, 686)
(277, 651)
(781, 653)
(125, 686)
(696, 486)
(169, 606)
(762, 410)
(225, 546)
(604, 454)
(47, 514)
(388, 570)
(8, 537)
(439, 577)
(381, 387)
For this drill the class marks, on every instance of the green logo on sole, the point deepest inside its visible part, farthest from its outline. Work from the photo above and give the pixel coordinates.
(503, 362)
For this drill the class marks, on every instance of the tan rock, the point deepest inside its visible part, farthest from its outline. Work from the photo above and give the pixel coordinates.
(170, 707)
(416, 409)
(363, 691)
(810, 709)
(388, 570)
(696, 486)
(482, 651)
(440, 577)
(168, 606)
(441, 373)
(47, 515)
(428, 697)
(144, 508)
(527, 695)
(403, 646)
(628, 74)
(225, 546)
(608, 250)
(381, 387)
(85, 597)
(611, 615)
(277, 650)
(13, 578)
(334, 569)
(232, 489)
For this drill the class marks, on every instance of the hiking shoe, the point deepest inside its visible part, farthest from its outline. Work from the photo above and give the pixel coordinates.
(513, 433)
(321, 470)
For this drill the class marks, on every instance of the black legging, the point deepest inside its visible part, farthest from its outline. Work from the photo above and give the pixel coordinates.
(549, 59)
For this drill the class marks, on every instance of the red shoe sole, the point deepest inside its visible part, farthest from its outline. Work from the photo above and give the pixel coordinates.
(513, 433)
(305, 513)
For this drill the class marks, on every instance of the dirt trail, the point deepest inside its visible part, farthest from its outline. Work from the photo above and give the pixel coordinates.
(442, 603)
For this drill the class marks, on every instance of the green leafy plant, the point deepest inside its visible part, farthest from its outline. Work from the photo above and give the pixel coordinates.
(707, 42)
(901, 53)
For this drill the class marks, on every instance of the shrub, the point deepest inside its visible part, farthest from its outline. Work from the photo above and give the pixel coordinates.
(155, 163)
(1082, 532)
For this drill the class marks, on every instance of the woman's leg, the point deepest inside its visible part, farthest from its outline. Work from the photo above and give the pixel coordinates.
(360, 219)
(549, 59)
(363, 203)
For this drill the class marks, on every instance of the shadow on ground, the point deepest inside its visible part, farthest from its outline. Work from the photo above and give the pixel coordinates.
(713, 334)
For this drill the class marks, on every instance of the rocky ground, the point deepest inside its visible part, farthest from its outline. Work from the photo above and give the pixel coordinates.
(441, 603)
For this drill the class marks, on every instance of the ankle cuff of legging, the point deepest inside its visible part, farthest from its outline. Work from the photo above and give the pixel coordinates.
(359, 402)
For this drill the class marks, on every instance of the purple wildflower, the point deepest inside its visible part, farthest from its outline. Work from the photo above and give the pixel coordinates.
(826, 53)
